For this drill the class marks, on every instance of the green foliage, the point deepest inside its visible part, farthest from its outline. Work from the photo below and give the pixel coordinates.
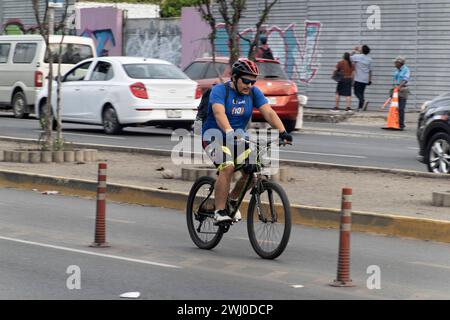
(172, 8)
(59, 144)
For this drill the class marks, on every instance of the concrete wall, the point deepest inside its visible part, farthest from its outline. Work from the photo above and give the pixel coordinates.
(153, 38)
(104, 26)
(194, 36)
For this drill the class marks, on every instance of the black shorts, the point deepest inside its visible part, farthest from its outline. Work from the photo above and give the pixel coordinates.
(344, 88)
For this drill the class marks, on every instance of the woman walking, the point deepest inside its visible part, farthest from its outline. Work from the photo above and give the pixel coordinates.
(344, 86)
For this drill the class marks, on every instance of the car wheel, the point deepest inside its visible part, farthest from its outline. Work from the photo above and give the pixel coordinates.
(19, 105)
(437, 154)
(111, 123)
(43, 116)
(289, 125)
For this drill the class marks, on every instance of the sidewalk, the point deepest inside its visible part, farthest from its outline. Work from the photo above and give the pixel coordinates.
(368, 118)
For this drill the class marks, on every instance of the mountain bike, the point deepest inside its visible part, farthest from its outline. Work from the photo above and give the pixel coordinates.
(268, 214)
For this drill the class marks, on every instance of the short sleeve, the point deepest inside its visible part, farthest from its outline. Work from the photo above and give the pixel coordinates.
(258, 98)
(355, 57)
(217, 95)
(406, 75)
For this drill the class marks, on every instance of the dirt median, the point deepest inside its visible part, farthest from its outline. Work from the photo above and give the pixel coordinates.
(383, 193)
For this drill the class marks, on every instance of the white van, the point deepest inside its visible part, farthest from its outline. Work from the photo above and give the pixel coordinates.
(24, 66)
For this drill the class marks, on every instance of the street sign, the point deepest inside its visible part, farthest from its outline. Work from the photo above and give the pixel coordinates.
(55, 3)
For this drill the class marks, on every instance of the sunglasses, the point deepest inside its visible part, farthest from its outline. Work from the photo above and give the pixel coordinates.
(248, 81)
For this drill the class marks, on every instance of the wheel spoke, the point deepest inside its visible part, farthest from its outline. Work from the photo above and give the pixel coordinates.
(202, 230)
(443, 168)
(437, 148)
(269, 229)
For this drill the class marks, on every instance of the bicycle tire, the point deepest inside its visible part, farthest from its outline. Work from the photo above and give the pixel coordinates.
(251, 215)
(191, 219)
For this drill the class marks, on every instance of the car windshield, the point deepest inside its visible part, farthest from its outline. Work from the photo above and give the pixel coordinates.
(153, 71)
(71, 53)
(270, 70)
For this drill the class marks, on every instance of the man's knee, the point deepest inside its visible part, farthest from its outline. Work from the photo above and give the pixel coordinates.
(226, 170)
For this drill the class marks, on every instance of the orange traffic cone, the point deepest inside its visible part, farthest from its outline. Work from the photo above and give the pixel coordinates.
(392, 119)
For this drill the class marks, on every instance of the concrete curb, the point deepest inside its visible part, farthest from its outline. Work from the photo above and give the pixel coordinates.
(297, 163)
(391, 225)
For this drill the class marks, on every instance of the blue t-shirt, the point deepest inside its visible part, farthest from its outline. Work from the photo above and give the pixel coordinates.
(402, 74)
(238, 107)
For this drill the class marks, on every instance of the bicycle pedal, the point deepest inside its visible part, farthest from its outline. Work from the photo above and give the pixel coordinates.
(223, 223)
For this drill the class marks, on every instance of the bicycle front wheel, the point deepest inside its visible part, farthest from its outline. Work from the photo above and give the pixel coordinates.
(200, 214)
(269, 220)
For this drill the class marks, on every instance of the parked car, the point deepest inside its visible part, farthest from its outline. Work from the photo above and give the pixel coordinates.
(24, 66)
(117, 92)
(273, 82)
(433, 134)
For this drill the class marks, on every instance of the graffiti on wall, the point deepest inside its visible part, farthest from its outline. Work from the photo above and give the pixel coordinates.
(159, 40)
(299, 59)
(102, 38)
(104, 26)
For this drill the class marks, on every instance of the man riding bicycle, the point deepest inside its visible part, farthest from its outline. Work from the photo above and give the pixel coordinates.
(230, 117)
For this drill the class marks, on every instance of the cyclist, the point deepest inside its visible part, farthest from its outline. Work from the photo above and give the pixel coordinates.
(229, 117)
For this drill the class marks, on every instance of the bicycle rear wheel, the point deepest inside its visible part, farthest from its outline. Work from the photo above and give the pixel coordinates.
(269, 220)
(200, 214)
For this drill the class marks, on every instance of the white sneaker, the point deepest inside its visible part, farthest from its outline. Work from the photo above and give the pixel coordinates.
(221, 215)
(237, 216)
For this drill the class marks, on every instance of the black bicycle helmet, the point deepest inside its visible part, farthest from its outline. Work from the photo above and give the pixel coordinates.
(244, 67)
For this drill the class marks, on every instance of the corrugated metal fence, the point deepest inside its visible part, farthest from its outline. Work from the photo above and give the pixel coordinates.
(23, 10)
(419, 30)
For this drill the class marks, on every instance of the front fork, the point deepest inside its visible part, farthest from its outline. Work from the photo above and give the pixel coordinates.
(257, 190)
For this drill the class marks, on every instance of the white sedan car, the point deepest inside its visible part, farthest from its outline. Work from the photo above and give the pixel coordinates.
(124, 91)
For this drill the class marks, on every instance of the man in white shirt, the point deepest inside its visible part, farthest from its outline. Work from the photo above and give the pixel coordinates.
(363, 73)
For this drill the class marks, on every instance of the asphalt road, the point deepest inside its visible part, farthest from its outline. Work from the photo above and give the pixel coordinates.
(44, 242)
(329, 143)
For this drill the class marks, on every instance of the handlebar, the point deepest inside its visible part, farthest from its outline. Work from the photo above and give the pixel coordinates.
(268, 143)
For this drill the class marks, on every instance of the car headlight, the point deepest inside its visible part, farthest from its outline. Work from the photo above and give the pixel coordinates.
(424, 105)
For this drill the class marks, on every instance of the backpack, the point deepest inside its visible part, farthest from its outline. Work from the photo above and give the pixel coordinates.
(202, 109)
(266, 53)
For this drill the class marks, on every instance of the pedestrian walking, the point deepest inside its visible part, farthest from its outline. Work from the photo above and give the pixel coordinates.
(400, 80)
(264, 50)
(363, 73)
(344, 86)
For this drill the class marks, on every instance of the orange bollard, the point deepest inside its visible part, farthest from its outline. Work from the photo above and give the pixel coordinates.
(343, 271)
(100, 224)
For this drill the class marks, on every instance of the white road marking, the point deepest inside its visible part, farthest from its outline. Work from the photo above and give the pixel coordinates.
(297, 286)
(116, 220)
(413, 148)
(325, 154)
(88, 135)
(239, 238)
(430, 265)
(91, 253)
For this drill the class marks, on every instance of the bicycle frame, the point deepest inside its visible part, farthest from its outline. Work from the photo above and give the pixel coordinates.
(254, 177)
